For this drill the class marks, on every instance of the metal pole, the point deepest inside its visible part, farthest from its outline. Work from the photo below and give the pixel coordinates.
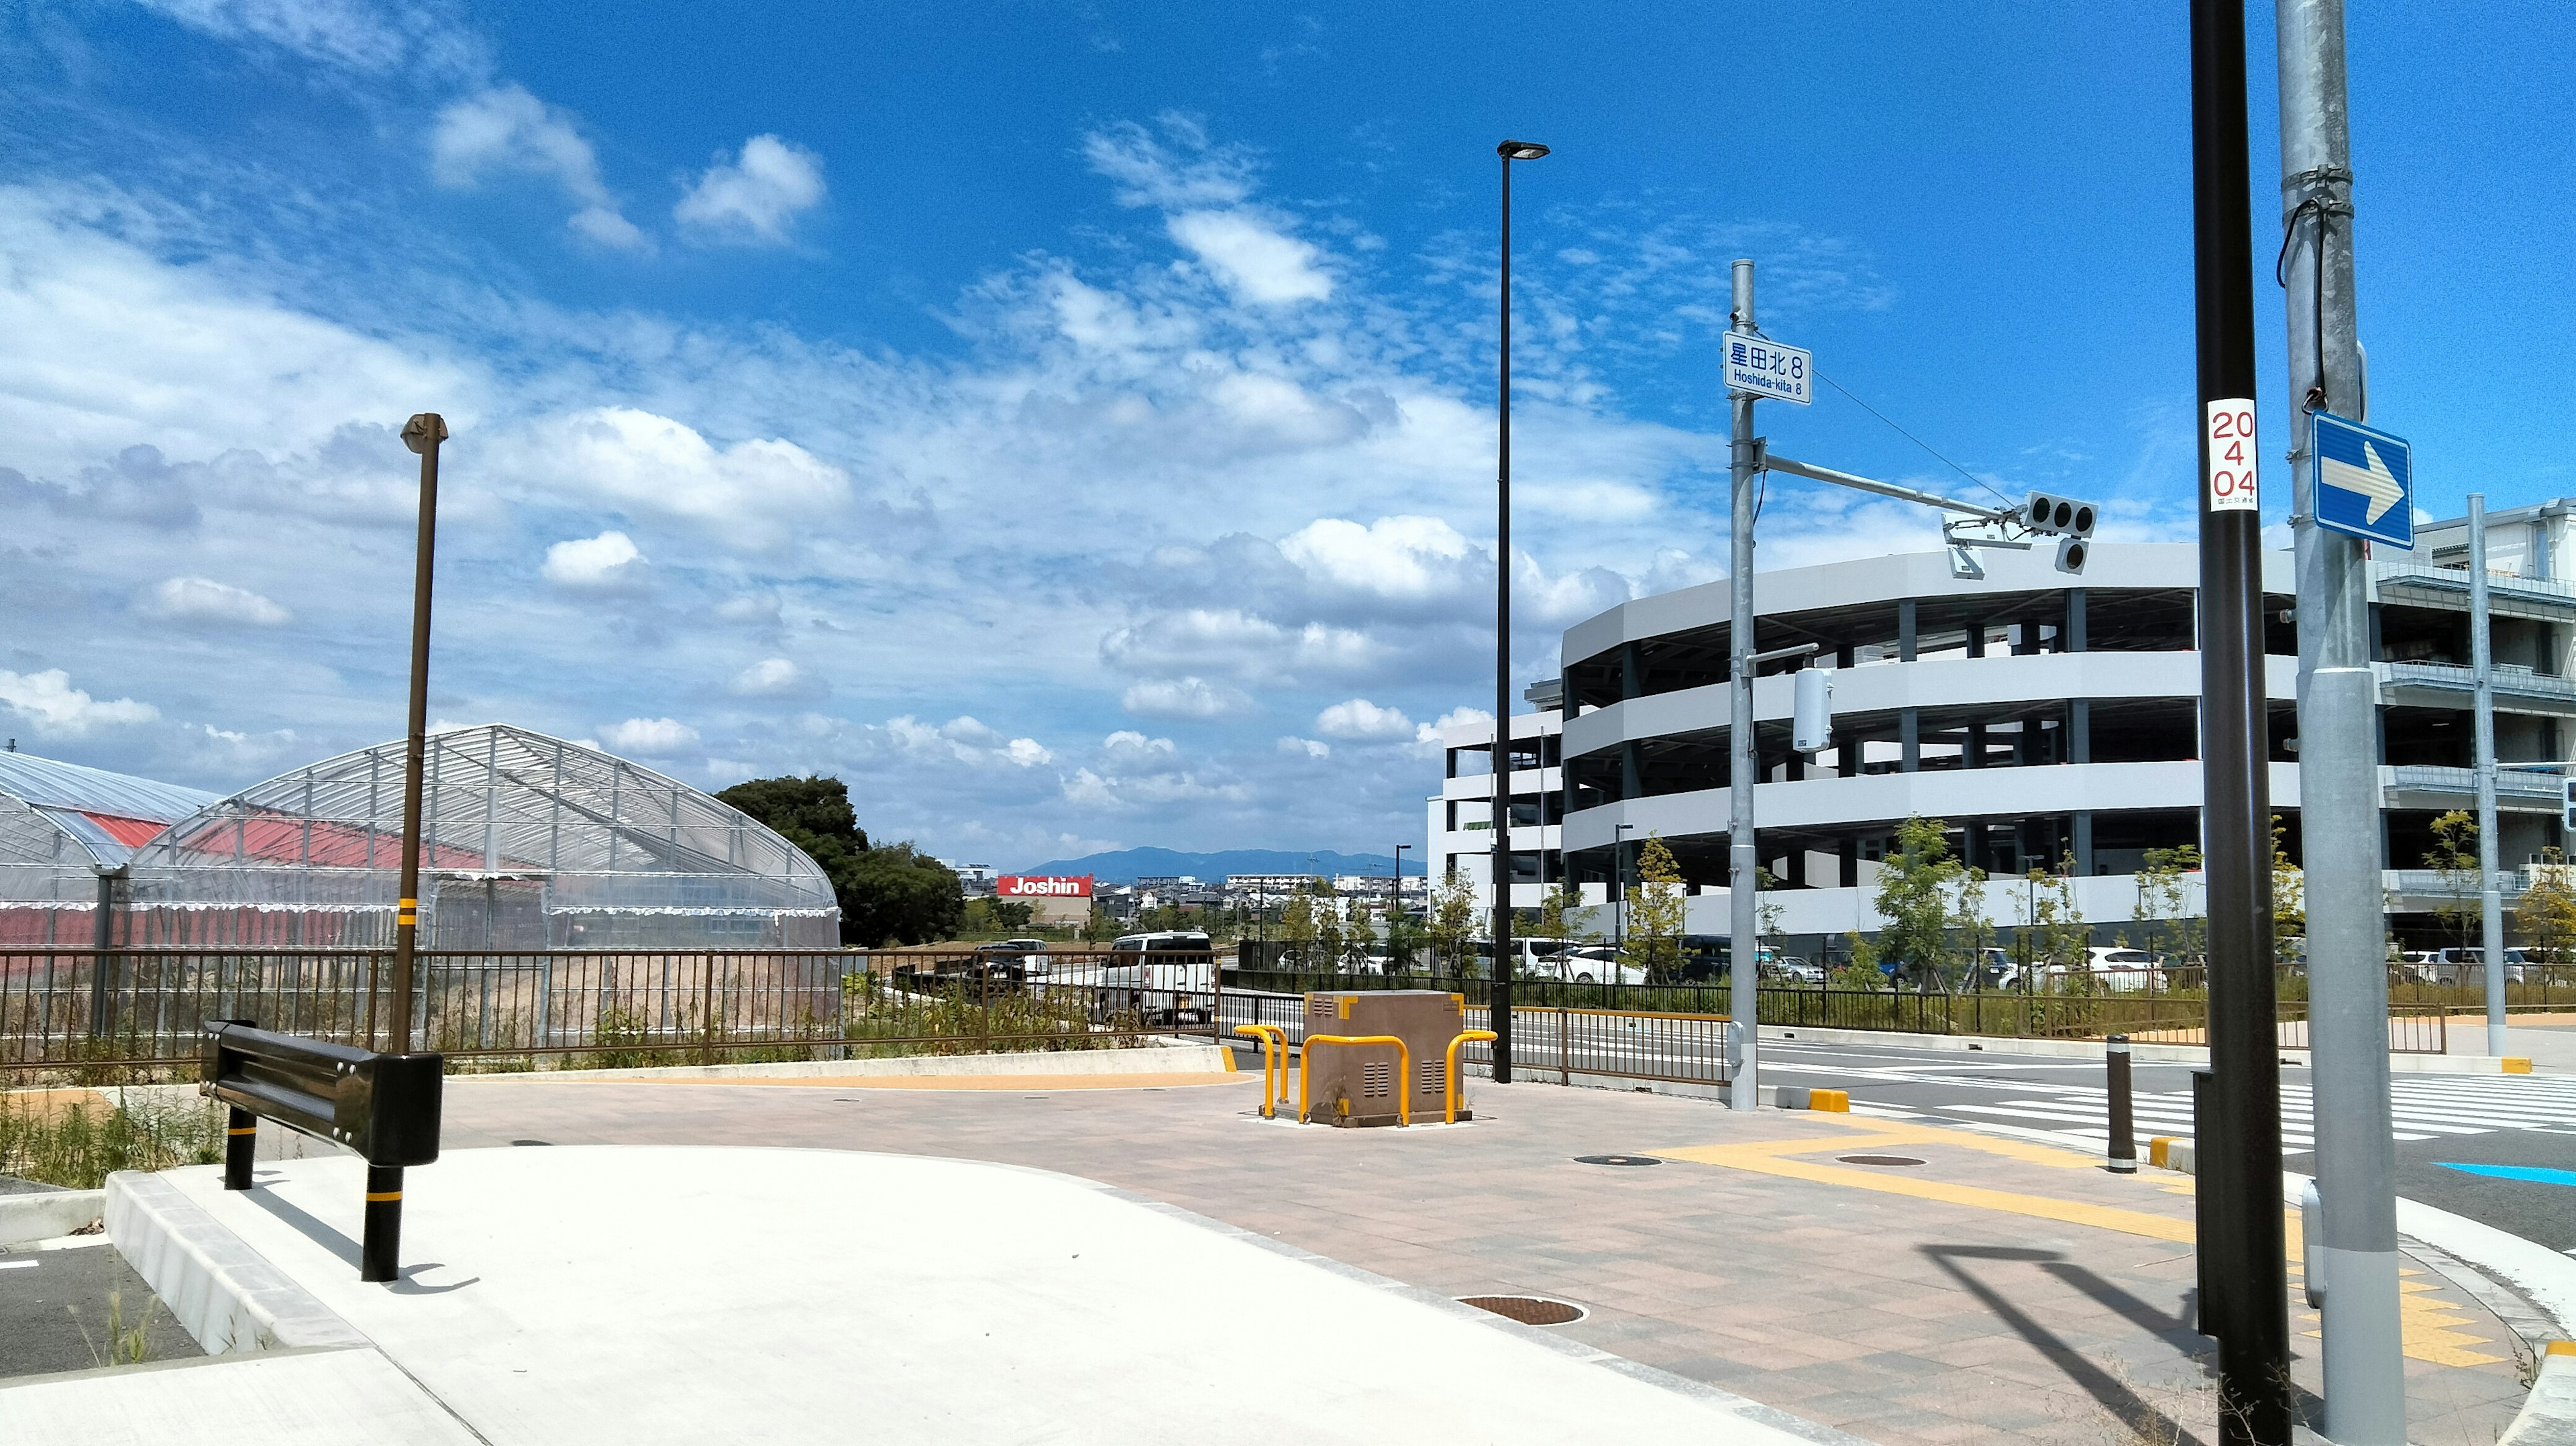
(422, 434)
(1499, 987)
(102, 969)
(241, 1142)
(380, 1247)
(2482, 658)
(2253, 1325)
(1742, 1088)
(2339, 796)
(2123, 1153)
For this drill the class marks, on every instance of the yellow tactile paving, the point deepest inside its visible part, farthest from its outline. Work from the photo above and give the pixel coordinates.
(2430, 1327)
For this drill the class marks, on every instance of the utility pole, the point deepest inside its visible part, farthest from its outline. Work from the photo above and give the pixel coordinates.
(2482, 657)
(2339, 795)
(1743, 1089)
(2242, 1174)
(422, 434)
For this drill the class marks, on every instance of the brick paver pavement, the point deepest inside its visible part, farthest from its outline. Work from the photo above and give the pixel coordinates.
(1998, 1291)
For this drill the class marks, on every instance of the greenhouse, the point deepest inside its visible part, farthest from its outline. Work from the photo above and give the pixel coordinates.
(66, 836)
(527, 842)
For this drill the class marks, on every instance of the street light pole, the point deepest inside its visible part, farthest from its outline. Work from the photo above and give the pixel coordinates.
(1743, 1089)
(2482, 659)
(422, 434)
(1500, 986)
(2241, 1175)
(1395, 910)
(1619, 885)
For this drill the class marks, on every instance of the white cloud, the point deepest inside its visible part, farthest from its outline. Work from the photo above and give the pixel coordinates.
(772, 678)
(755, 198)
(350, 35)
(756, 492)
(1359, 720)
(1188, 174)
(505, 130)
(50, 702)
(967, 740)
(1127, 743)
(1305, 748)
(650, 737)
(1407, 558)
(1429, 734)
(1254, 260)
(1183, 698)
(607, 561)
(203, 600)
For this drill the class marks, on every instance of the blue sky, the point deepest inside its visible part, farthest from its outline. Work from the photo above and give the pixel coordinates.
(1073, 423)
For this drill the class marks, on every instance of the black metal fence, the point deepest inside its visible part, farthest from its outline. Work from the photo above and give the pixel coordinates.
(92, 1013)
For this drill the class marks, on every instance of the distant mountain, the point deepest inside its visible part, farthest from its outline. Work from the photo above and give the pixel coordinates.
(1126, 866)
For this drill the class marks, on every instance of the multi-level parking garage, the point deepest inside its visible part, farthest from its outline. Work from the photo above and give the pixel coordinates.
(2051, 720)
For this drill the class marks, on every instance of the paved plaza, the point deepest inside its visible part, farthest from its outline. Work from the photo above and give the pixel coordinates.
(1993, 1289)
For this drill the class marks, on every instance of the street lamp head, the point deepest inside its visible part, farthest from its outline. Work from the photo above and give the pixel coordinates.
(1520, 150)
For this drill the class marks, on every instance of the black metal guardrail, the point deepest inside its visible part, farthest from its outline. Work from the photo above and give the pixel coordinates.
(383, 1107)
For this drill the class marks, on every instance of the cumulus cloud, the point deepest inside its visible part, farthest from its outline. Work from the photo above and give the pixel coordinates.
(755, 198)
(1402, 558)
(507, 131)
(755, 491)
(608, 561)
(1361, 721)
(1429, 734)
(967, 740)
(1305, 748)
(1184, 698)
(48, 701)
(650, 737)
(772, 678)
(203, 600)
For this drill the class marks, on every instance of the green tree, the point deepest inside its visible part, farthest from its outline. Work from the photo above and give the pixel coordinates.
(1654, 936)
(2163, 915)
(2454, 856)
(2547, 911)
(1331, 930)
(1555, 916)
(1297, 931)
(2058, 934)
(1976, 933)
(890, 894)
(2289, 900)
(1451, 922)
(1913, 901)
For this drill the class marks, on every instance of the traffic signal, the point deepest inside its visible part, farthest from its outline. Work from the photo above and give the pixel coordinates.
(2067, 519)
(2570, 819)
(1812, 716)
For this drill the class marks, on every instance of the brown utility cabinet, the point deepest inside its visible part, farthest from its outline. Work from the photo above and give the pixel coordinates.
(1356, 1084)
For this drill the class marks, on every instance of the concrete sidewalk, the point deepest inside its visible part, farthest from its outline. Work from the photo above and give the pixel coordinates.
(1996, 1290)
(629, 1296)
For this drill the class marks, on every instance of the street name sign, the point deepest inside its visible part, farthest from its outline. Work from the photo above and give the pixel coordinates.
(2364, 483)
(1767, 369)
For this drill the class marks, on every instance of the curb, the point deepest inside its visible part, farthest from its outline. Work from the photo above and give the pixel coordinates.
(227, 1295)
(46, 1214)
(2140, 1051)
(2549, 1415)
(1149, 1059)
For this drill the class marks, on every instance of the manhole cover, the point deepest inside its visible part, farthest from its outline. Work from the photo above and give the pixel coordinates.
(1527, 1309)
(1878, 1159)
(1616, 1160)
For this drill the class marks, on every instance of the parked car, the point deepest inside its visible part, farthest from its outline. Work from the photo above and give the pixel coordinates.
(2125, 971)
(2457, 967)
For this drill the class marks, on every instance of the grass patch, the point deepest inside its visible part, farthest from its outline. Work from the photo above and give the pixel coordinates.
(78, 1146)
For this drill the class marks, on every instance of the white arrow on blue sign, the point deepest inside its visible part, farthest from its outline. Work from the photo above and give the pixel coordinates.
(2364, 481)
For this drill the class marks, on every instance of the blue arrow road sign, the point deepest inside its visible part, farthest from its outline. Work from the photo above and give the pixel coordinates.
(2364, 481)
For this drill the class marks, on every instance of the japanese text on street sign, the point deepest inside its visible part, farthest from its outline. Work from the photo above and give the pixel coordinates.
(2364, 481)
(1768, 369)
(2228, 438)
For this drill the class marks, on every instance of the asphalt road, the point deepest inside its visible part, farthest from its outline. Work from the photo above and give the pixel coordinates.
(49, 1298)
(2518, 1122)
